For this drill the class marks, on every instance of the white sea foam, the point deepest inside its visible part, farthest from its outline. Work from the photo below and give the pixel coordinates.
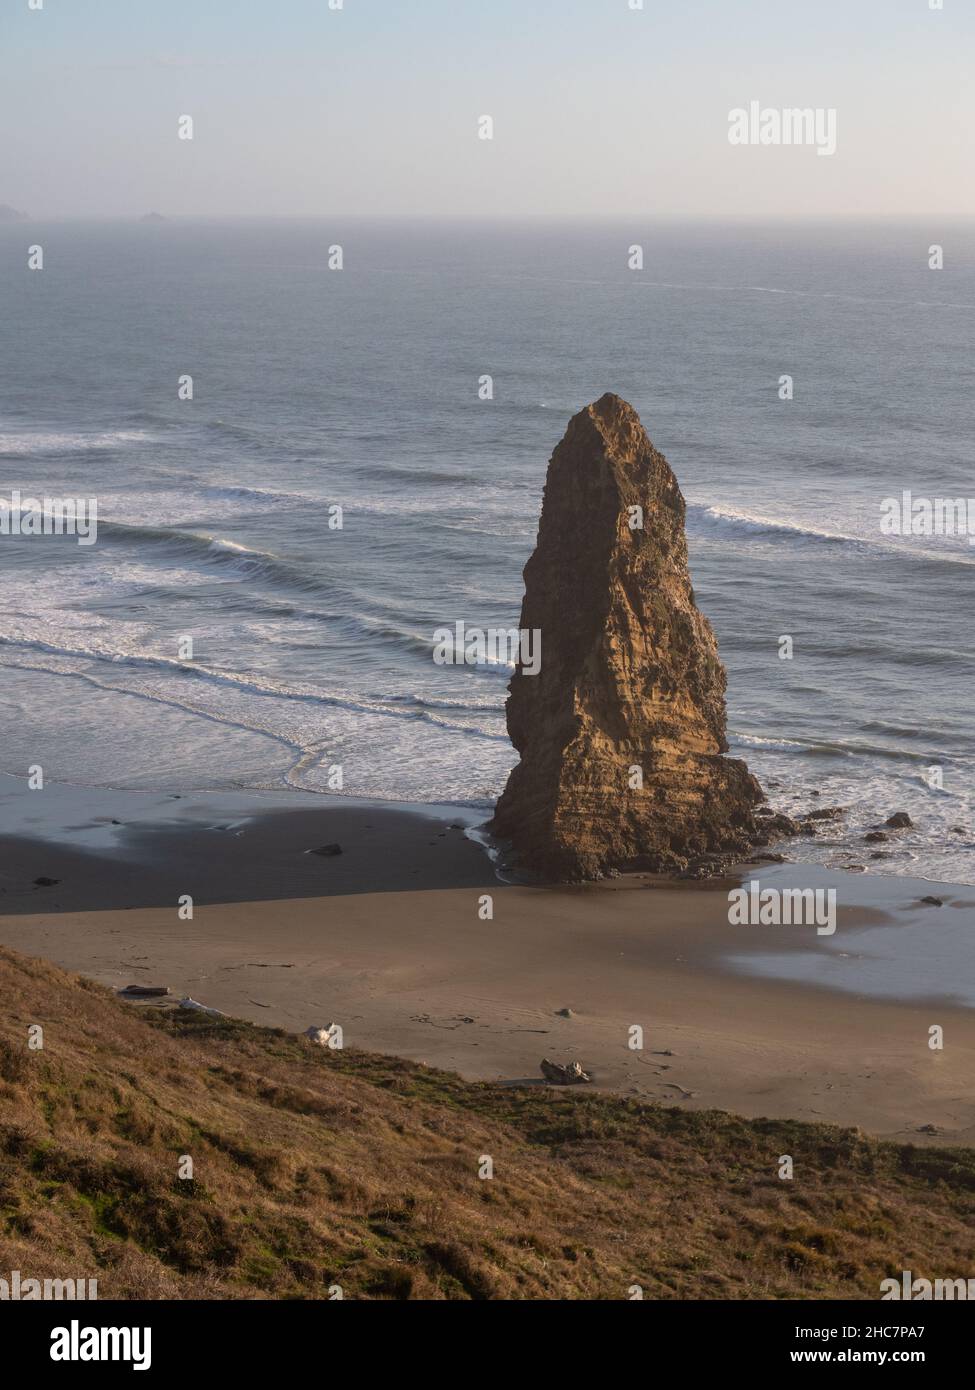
(725, 520)
(55, 442)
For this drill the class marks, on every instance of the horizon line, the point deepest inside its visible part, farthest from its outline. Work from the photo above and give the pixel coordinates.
(154, 215)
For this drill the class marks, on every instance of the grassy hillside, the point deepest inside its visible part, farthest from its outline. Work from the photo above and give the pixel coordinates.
(314, 1168)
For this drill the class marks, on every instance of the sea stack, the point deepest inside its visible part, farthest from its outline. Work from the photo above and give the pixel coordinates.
(622, 730)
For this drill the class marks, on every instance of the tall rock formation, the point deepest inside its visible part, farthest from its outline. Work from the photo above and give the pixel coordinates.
(621, 732)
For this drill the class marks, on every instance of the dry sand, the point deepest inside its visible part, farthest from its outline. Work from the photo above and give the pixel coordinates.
(418, 972)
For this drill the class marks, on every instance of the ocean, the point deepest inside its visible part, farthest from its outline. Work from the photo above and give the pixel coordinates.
(357, 388)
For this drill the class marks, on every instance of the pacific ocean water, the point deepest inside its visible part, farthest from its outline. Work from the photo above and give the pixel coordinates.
(316, 388)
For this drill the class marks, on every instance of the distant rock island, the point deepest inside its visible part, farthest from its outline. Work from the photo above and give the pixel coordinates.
(153, 217)
(9, 214)
(621, 732)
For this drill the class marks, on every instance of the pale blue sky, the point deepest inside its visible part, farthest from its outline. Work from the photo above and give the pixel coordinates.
(598, 109)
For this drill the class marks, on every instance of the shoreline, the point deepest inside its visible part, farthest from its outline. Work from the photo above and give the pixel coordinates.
(386, 939)
(159, 807)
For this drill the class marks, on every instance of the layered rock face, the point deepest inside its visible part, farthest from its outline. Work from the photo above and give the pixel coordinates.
(621, 731)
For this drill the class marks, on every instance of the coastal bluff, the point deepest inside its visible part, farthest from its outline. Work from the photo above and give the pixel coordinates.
(622, 730)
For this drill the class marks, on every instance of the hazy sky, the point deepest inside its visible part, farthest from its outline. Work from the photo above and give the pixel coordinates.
(598, 109)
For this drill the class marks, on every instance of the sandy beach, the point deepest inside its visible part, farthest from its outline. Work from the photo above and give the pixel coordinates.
(387, 939)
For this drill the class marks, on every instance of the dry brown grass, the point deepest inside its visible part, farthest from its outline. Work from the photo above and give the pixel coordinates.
(314, 1168)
